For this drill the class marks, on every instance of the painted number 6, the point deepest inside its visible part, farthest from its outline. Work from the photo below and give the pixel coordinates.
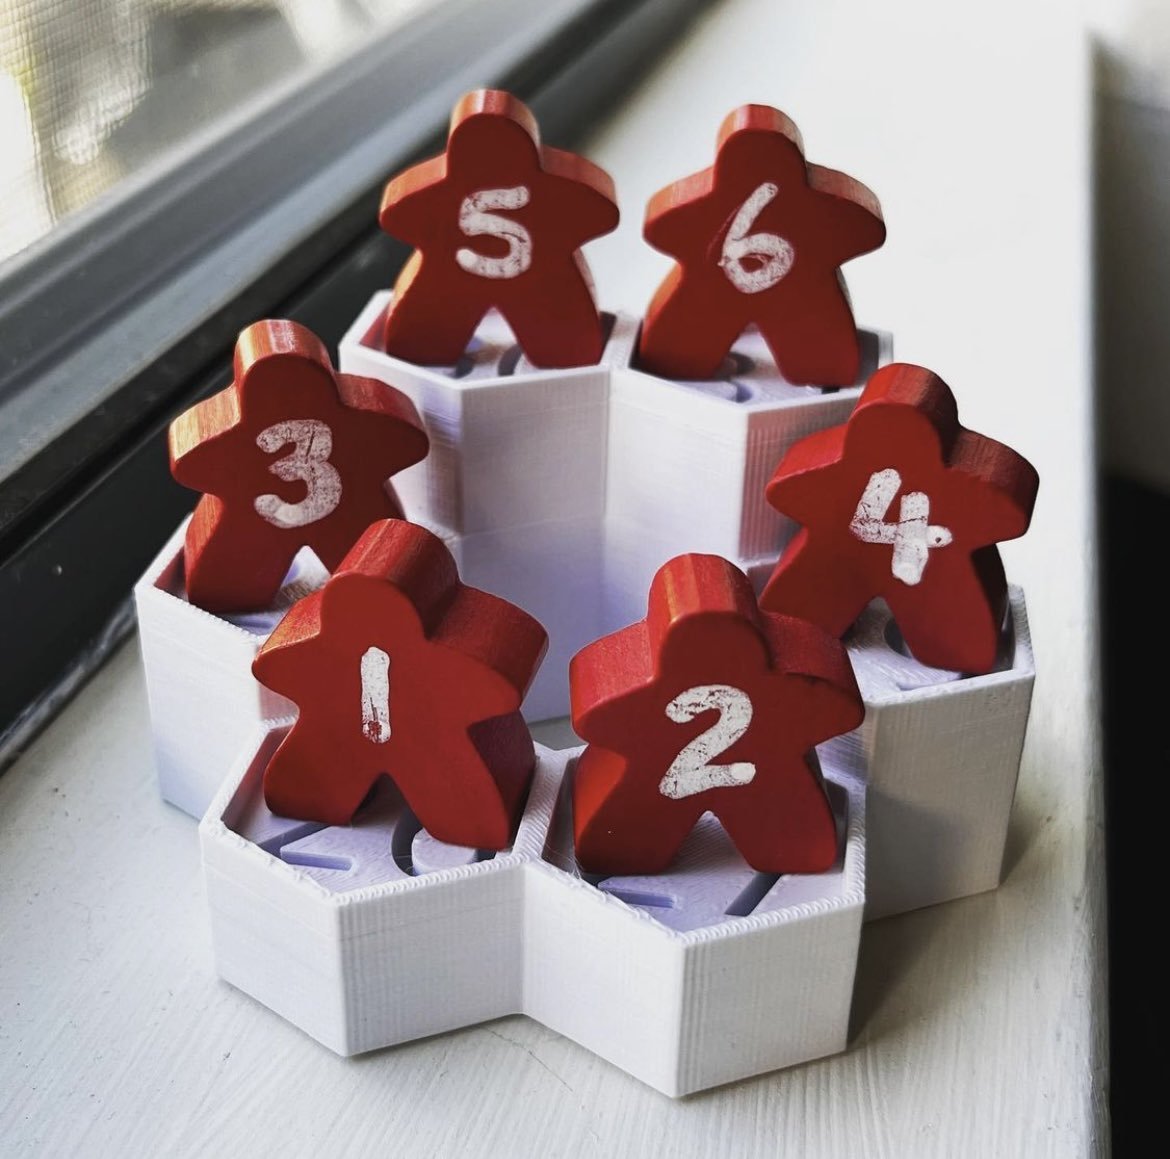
(312, 442)
(476, 221)
(772, 255)
(692, 771)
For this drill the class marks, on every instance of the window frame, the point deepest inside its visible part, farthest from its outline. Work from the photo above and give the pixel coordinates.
(91, 499)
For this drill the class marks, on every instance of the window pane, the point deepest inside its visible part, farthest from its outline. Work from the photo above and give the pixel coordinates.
(95, 92)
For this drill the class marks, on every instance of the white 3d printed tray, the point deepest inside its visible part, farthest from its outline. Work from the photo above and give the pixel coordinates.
(447, 938)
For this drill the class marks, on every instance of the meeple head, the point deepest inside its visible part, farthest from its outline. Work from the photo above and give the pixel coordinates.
(276, 358)
(759, 138)
(906, 406)
(492, 132)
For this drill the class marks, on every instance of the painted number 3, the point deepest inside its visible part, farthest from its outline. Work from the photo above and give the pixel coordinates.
(476, 221)
(312, 442)
(692, 771)
(770, 255)
(912, 536)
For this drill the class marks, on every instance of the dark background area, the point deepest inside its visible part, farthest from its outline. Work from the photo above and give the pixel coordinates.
(1137, 757)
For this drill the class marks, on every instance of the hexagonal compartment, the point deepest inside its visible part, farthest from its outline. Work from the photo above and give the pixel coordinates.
(393, 956)
(683, 1009)
(689, 462)
(204, 700)
(510, 444)
(940, 753)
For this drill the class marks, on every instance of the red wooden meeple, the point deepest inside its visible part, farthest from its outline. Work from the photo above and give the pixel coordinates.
(497, 220)
(290, 455)
(707, 704)
(904, 503)
(398, 668)
(759, 238)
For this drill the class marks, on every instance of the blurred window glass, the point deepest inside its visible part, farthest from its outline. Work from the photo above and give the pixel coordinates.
(97, 94)
(172, 170)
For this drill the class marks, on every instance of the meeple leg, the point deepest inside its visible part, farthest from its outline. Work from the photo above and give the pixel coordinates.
(305, 780)
(686, 333)
(231, 565)
(556, 321)
(427, 323)
(622, 824)
(813, 337)
(953, 619)
(469, 790)
(782, 821)
(806, 583)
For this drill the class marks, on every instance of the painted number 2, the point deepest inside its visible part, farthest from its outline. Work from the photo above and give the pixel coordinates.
(475, 220)
(771, 255)
(912, 536)
(692, 771)
(375, 670)
(312, 442)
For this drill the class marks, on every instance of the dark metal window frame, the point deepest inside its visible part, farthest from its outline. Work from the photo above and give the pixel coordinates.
(86, 507)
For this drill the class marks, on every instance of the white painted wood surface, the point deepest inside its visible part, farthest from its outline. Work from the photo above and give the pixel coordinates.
(1132, 76)
(978, 1025)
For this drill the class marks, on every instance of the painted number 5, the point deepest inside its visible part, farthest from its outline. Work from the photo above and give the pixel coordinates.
(912, 536)
(771, 255)
(312, 442)
(692, 771)
(476, 221)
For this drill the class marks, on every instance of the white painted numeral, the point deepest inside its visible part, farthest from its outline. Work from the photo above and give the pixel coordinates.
(375, 695)
(912, 536)
(692, 771)
(476, 221)
(774, 252)
(309, 462)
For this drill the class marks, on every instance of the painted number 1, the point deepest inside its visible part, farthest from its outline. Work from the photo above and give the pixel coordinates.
(912, 536)
(475, 220)
(692, 771)
(375, 672)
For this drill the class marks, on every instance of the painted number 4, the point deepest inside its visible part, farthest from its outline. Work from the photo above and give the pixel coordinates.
(692, 770)
(912, 536)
